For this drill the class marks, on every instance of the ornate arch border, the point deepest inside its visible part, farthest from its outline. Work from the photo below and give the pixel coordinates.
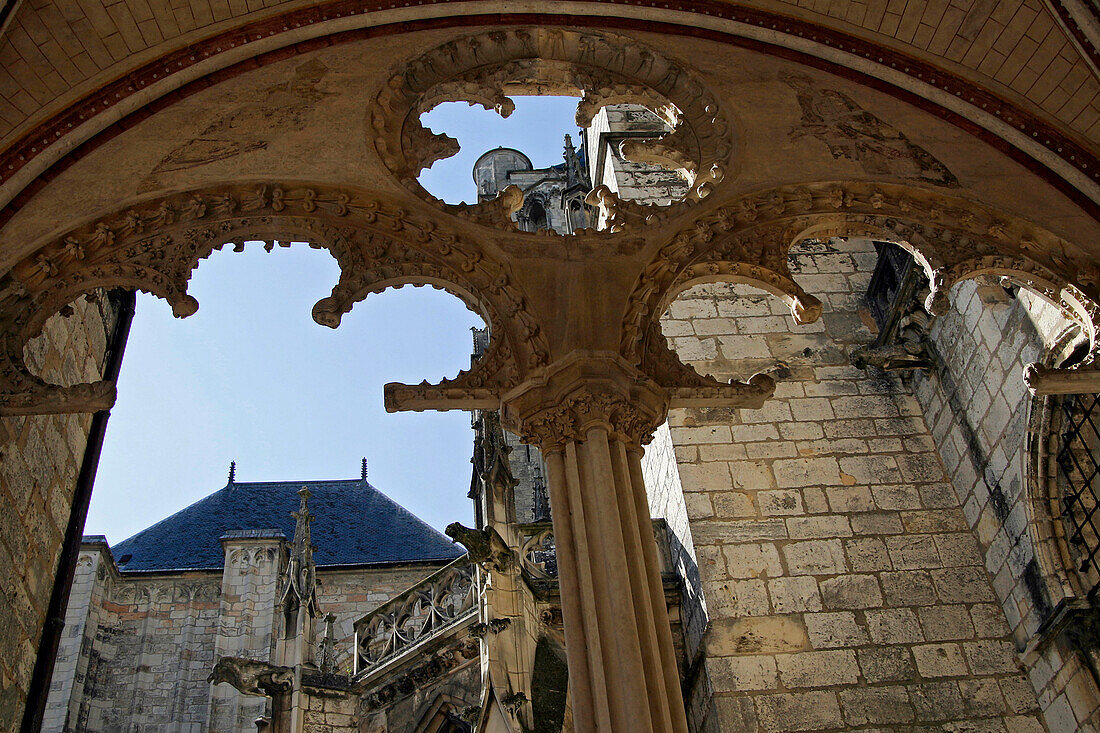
(953, 239)
(155, 245)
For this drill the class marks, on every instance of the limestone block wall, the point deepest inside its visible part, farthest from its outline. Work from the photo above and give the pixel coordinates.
(139, 647)
(39, 461)
(146, 650)
(979, 411)
(82, 618)
(668, 500)
(844, 586)
(246, 621)
(325, 714)
(641, 182)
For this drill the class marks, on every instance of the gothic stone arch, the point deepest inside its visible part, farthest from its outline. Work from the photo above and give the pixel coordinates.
(152, 170)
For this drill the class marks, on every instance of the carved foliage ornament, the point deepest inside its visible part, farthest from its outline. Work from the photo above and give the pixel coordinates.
(602, 68)
(574, 416)
(155, 247)
(748, 240)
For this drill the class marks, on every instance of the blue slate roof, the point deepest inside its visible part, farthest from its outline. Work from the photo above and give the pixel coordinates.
(355, 524)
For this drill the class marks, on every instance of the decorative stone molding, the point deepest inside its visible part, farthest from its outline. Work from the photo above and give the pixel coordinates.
(155, 247)
(602, 68)
(247, 557)
(416, 678)
(1043, 380)
(578, 413)
(592, 390)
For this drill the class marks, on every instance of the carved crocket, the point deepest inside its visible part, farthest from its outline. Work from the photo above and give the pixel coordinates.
(251, 677)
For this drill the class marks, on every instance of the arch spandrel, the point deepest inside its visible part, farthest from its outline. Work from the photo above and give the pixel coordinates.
(787, 123)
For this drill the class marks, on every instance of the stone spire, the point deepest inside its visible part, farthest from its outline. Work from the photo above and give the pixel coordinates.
(232, 471)
(298, 598)
(572, 162)
(327, 662)
(363, 477)
(301, 571)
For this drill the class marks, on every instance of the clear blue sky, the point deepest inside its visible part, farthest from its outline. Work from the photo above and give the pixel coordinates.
(252, 378)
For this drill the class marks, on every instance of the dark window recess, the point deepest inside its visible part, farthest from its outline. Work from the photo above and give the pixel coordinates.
(541, 507)
(453, 724)
(890, 278)
(1079, 468)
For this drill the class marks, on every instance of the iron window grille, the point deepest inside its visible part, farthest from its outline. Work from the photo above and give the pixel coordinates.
(1078, 462)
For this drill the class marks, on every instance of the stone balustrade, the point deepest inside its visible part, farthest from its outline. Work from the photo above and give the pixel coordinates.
(438, 602)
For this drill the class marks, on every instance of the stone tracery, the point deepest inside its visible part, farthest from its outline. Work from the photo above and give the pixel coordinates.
(602, 68)
(746, 240)
(741, 239)
(154, 247)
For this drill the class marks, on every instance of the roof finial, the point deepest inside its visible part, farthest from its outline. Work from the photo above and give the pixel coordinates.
(327, 662)
(232, 471)
(364, 474)
(572, 164)
(302, 546)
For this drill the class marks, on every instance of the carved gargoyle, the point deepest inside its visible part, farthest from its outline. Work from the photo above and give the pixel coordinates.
(484, 546)
(251, 677)
(893, 357)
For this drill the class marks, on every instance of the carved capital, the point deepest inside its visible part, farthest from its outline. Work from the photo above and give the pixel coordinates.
(586, 390)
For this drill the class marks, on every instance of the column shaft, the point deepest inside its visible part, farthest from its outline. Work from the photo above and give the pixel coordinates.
(622, 669)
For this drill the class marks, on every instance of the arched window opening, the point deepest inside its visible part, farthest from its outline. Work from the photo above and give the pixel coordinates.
(895, 297)
(578, 217)
(250, 376)
(524, 149)
(536, 218)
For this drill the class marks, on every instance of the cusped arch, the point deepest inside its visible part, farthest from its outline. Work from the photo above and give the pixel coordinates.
(748, 240)
(155, 246)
